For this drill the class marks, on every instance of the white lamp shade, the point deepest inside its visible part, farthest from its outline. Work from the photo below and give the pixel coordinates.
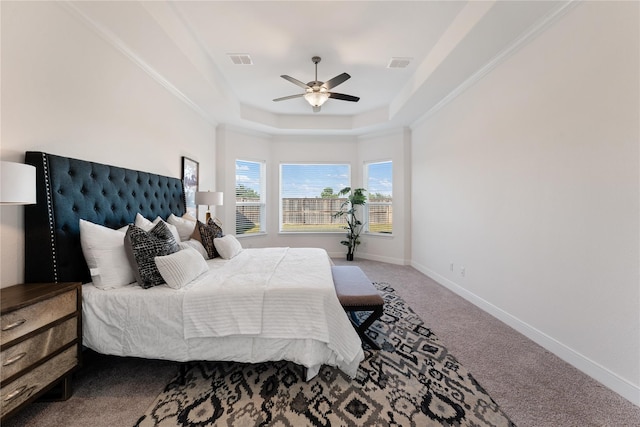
(210, 198)
(17, 184)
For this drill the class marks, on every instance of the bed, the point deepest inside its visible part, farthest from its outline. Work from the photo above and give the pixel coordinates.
(260, 305)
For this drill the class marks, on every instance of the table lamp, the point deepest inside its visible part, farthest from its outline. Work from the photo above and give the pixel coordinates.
(209, 198)
(17, 184)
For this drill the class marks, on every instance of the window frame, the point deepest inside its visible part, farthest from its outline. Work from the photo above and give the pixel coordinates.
(280, 194)
(365, 180)
(262, 204)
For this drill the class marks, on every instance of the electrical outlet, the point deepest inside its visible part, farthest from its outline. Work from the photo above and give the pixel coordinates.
(462, 271)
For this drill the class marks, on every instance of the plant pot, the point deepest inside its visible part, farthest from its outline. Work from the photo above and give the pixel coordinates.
(349, 257)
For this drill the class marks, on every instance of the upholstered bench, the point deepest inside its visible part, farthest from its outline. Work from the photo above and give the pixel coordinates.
(357, 293)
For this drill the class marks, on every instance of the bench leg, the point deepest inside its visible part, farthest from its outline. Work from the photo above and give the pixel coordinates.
(361, 329)
(182, 374)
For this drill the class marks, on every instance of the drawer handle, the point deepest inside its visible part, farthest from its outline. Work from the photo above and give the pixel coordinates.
(14, 325)
(14, 359)
(15, 393)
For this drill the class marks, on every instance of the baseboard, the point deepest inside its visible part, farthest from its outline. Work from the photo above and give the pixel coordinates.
(624, 388)
(370, 257)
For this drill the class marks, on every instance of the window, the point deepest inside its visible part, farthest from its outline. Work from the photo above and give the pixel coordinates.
(250, 197)
(379, 183)
(309, 197)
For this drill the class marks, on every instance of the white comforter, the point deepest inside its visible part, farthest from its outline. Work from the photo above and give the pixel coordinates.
(264, 304)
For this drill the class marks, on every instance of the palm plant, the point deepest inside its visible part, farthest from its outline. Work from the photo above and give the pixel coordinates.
(348, 208)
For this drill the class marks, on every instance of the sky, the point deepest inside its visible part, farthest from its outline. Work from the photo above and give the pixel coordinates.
(308, 180)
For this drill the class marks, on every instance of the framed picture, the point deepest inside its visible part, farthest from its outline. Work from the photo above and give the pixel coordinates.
(190, 181)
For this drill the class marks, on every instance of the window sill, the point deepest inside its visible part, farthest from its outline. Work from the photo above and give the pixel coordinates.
(245, 236)
(326, 233)
(381, 235)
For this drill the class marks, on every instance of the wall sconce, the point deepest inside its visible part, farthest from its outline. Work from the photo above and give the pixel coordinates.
(209, 198)
(17, 184)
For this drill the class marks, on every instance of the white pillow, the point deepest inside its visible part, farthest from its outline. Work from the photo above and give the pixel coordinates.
(227, 246)
(103, 249)
(189, 217)
(147, 225)
(143, 222)
(180, 268)
(194, 244)
(184, 225)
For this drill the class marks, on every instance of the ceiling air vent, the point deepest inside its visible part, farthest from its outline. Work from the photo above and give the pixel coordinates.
(240, 58)
(398, 62)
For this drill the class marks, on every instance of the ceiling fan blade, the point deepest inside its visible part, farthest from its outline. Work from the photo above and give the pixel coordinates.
(336, 80)
(289, 97)
(343, 97)
(295, 81)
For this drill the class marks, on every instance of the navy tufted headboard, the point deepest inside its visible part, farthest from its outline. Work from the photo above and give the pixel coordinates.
(69, 190)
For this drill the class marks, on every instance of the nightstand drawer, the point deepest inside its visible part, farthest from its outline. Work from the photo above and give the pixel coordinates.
(20, 322)
(18, 391)
(22, 355)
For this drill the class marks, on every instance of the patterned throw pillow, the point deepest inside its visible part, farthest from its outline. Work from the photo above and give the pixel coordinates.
(143, 246)
(205, 233)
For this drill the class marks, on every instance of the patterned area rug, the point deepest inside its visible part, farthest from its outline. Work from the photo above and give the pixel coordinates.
(411, 381)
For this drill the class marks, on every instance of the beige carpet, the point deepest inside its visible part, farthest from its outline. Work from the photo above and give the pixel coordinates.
(533, 387)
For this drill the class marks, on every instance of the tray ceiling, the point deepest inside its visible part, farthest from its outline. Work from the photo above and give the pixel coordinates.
(186, 46)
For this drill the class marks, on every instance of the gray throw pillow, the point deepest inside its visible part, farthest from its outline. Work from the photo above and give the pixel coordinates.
(143, 246)
(205, 233)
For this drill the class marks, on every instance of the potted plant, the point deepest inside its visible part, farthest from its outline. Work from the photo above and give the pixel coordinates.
(348, 208)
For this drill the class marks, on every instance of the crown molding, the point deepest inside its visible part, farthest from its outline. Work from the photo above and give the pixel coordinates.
(122, 47)
(534, 31)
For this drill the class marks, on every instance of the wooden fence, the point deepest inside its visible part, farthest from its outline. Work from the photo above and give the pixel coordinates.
(300, 212)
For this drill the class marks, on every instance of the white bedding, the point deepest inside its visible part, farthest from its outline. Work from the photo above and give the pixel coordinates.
(264, 304)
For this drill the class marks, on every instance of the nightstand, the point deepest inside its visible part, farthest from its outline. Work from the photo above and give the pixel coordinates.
(41, 326)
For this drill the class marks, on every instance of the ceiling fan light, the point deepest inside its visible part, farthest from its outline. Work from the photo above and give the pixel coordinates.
(316, 99)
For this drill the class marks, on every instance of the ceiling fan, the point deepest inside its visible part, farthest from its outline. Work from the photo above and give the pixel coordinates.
(317, 92)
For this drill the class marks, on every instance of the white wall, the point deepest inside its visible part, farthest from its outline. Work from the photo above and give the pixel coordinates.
(529, 180)
(394, 146)
(236, 144)
(291, 149)
(66, 91)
